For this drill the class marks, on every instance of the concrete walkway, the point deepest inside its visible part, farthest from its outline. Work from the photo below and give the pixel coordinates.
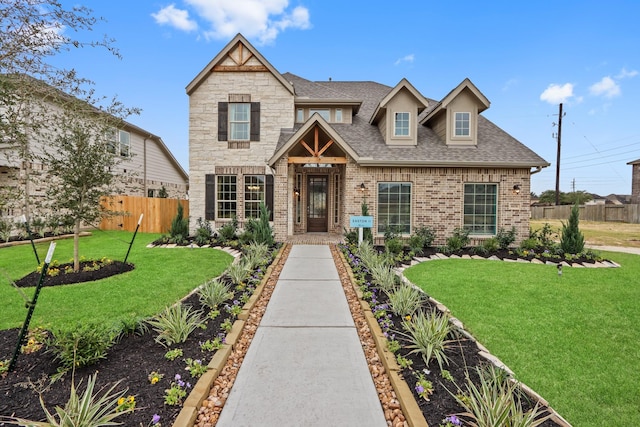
(305, 365)
(617, 249)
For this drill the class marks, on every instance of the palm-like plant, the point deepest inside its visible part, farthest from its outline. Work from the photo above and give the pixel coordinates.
(427, 335)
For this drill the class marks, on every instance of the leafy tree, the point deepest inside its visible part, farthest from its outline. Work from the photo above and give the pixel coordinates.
(578, 197)
(32, 33)
(572, 240)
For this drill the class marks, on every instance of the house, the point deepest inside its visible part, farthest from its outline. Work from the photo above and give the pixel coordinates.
(315, 151)
(150, 170)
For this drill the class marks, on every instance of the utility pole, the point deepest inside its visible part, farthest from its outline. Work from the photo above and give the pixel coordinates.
(558, 159)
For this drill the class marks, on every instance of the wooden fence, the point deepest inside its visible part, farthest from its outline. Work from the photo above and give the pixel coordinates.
(600, 213)
(158, 213)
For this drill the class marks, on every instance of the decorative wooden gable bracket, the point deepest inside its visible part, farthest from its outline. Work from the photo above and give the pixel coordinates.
(240, 56)
(316, 152)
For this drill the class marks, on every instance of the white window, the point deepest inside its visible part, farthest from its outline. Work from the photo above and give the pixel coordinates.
(324, 113)
(119, 143)
(338, 115)
(239, 125)
(300, 115)
(401, 124)
(462, 124)
(253, 195)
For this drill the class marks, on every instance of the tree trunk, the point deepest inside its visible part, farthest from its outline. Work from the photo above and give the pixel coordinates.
(76, 244)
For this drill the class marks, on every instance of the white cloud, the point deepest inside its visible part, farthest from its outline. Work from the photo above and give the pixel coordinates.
(407, 58)
(261, 19)
(509, 84)
(624, 73)
(176, 18)
(606, 87)
(555, 94)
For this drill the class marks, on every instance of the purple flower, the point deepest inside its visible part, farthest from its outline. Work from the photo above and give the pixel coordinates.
(155, 419)
(453, 420)
(188, 385)
(419, 389)
(180, 383)
(177, 377)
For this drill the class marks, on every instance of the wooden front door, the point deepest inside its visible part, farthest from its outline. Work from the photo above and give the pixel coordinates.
(317, 189)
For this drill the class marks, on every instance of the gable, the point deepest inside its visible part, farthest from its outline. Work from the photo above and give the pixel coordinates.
(237, 56)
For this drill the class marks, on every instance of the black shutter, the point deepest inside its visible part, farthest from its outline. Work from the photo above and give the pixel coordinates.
(255, 121)
(210, 197)
(268, 190)
(223, 116)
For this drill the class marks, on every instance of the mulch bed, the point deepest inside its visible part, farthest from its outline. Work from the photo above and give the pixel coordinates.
(129, 361)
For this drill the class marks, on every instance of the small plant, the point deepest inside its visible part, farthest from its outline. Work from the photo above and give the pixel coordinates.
(383, 276)
(212, 345)
(226, 325)
(458, 240)
(424, 387)
(421, 239)
(405, 300)
(214, 292)
(175, 324)
(228, 231)
(427, 335)
(155, 377)
(195, 367)
(490, 245)
(173, 354)
(81, 345)
(451, 421)
(36, 338)
(204, 233)
(351, 236)
(404, 362)
(126, 404)
(238, 272)
(393, 346)
(506, 238)
(446, 375)
(175, 394)
(6, 227)
(235, 309)
(263, 232)
(4, 366)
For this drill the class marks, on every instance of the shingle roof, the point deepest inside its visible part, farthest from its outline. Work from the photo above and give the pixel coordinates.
(495, 146)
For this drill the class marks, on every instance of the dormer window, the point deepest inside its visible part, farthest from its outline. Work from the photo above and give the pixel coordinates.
(324, 113)
(462, 124)
(401, 124)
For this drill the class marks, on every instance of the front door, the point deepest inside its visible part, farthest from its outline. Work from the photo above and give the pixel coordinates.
(317, 203)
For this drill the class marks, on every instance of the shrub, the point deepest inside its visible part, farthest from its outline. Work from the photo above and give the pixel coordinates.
(529, 244)
(491, 245)
(427, 234)
(238, 272)
(214, 292)
(351, 236)
(228, 231)
(572, 240)
(81, 345)
(405, 300)
(263, 232)
(383, 276)
(179, 230)
(545, 236)
(506, 238)
(204, 233)
(393, 246)
(175, 324)
(458, 240)
(6, 227)
(427, 335)
(37, 227)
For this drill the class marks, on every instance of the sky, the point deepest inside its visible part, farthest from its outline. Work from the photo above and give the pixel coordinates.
(526, 57)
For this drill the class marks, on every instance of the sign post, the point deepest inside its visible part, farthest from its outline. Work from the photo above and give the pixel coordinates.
(360, 222)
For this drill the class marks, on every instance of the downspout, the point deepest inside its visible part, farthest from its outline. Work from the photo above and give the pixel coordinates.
(144, 167)
(538, 169)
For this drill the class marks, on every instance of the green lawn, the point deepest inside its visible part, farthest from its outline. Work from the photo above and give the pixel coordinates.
(574, 339)
(160, 278)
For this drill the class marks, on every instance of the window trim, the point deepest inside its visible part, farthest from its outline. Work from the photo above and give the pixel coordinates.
(396, 127)
(462, 121)
(475, 215)
(380, 226)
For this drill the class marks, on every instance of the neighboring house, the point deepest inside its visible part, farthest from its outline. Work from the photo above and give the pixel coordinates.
(315, 151)
(635, 181)
(150, 169)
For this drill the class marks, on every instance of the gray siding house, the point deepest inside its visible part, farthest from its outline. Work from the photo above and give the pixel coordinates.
(314, 151)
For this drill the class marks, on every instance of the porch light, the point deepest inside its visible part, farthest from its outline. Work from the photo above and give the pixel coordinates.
(362, 187)
(516, 189)
(296, 191)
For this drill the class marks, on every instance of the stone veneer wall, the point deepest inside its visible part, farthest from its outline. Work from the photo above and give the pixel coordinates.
(206, 153)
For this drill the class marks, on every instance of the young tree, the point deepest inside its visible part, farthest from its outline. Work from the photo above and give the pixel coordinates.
(572, 240)
(31, 33)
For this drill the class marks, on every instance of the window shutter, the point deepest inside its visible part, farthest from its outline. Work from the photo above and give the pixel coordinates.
(255, 121)
(210, 197)
(223, 116)
(268, 189)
